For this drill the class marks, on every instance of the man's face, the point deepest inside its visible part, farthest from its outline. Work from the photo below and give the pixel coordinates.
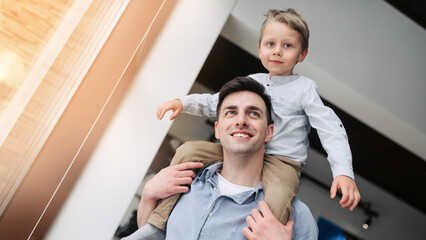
(242, 126)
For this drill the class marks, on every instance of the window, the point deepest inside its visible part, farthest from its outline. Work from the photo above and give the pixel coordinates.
(60, 63)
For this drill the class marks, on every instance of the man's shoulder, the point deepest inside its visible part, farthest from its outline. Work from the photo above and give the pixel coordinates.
(305, 224)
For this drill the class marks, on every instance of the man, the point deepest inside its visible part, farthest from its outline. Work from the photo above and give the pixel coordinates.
(223, 196)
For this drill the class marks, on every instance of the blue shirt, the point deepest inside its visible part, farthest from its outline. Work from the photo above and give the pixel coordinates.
(204, 213)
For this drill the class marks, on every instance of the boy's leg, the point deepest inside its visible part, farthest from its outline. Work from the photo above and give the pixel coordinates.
(195, 151)
(281, 180)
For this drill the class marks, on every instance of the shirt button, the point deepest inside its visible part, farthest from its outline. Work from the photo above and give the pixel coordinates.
(341, 125)
(210, 213)
(214, 189)
(268, 84)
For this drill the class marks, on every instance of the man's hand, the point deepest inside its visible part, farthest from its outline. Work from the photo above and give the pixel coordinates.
(174, 105)
(350, 193)
(264, 225)
(170, 180)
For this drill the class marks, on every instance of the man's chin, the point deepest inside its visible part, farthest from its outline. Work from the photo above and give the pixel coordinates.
(241, 148)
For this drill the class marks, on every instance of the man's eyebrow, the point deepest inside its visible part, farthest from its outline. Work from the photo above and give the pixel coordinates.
(229, 107)
(255, 108)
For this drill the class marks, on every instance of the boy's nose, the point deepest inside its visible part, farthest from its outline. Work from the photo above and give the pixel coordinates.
(277, 51)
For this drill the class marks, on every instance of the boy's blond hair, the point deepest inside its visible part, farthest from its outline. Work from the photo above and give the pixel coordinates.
(291, 18)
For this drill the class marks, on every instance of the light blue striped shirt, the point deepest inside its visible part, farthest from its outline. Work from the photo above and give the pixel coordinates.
(204, 213)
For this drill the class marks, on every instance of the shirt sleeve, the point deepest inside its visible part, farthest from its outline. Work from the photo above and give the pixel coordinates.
(200, 104)
(330, 131)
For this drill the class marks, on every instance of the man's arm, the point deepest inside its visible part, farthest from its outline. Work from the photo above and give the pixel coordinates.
(264, 225)
(167, 182)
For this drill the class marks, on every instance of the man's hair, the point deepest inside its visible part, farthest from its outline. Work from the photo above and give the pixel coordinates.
(292, 19)
(240, 84)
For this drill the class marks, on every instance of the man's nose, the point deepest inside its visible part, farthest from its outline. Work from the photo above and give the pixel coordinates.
(241, 120)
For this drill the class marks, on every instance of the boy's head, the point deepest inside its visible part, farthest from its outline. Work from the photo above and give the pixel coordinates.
(283, 42)
(240, 84)
(291, 18)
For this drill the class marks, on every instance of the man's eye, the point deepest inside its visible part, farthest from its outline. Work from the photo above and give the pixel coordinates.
(229, 113)
(270, 44)
(287, 45)
(254, 114)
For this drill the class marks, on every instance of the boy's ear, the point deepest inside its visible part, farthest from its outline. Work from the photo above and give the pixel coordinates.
(302, 55)
(258, 49)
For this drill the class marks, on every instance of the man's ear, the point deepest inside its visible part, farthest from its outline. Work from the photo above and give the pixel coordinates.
(269, 133)
(216, 131)
(302, 56)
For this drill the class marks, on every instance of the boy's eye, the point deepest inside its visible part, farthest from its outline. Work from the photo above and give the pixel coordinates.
(287, 45)
(270, 44)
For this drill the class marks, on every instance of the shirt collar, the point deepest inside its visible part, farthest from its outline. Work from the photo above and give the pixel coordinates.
(209, 174)
(281, 80)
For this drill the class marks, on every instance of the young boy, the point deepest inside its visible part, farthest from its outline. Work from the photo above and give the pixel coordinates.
(283, 42)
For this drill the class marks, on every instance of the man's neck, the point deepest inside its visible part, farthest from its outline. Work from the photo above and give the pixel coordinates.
(243, 169)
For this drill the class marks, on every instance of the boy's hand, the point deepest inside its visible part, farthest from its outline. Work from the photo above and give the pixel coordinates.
(350, 193)
(263, 225)
(174, 105)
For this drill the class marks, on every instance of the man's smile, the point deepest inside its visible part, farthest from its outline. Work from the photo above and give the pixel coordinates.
(240, 134)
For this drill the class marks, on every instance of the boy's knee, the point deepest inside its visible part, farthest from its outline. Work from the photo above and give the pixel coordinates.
(198, 151)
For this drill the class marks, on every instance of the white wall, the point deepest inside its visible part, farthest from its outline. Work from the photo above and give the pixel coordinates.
(109, 181)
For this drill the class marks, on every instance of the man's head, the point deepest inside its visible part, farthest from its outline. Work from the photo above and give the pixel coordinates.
(244, 121)
(239, 84)
(283, 42)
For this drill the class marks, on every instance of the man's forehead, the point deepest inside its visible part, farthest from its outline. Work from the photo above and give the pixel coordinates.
(243, 99)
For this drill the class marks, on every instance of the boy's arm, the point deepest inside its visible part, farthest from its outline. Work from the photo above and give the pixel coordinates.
(335, 142)
(200, 104)
(194, 104)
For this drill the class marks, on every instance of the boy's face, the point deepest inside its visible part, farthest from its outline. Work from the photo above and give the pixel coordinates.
(280, 49)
